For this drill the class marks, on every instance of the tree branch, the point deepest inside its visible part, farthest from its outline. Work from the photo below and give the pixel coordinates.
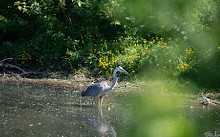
(6, 59)
(210, 101)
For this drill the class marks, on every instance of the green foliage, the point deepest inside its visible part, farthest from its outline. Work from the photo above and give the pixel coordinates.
(46, 30)
(137, 53)
(47, 49)
(156, 112)
(171, 37)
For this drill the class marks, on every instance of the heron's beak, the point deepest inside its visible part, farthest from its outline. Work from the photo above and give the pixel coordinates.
(126, 72)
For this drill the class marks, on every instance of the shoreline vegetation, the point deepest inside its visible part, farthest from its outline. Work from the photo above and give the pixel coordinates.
(77, 81)
(80, 82)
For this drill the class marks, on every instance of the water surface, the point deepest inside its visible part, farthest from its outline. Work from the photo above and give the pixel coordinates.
(36, 110)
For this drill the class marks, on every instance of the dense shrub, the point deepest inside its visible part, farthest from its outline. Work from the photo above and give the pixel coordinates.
(136, 53)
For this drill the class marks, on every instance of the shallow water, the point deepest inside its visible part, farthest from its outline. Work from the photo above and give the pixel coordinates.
(36, 110)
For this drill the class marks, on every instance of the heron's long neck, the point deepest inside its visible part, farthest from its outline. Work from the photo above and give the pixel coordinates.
(115, 81)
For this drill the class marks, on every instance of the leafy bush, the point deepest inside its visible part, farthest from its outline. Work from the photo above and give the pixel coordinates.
(135, 53)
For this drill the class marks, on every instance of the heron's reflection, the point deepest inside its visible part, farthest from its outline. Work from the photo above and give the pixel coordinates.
(94, 119)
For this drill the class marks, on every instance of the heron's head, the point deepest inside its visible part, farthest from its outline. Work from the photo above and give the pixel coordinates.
(120, 69)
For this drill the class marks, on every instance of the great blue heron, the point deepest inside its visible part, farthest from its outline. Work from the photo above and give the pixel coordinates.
(99, 89)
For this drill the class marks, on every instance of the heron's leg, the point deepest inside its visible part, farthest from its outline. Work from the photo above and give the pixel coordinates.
(93, 100)
(101, 113)
(101, 99)
(80, 101)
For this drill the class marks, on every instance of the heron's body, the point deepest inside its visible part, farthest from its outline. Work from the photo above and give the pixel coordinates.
(100, 89)
(95, 89)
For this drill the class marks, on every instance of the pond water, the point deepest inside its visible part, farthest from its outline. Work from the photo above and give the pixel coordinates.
(43, 111)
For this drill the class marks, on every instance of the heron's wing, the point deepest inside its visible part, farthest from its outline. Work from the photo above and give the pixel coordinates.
(95, 89)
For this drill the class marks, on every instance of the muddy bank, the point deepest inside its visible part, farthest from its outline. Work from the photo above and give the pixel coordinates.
(78, 82)
(75, 83)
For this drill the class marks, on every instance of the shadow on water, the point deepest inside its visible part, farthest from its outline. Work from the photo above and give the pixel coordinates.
(35, 110)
